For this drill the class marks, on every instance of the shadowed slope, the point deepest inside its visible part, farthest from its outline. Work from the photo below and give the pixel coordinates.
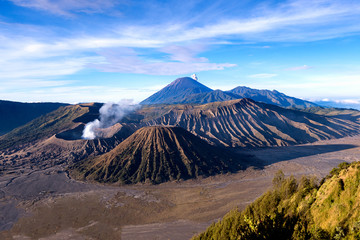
(208, 97)
(15, 114)
(158, 154)
(247, 123)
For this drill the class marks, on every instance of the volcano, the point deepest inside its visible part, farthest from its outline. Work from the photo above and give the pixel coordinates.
(158, 154)
(177, 91)
(189, 91)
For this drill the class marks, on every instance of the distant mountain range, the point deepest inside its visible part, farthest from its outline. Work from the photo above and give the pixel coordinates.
(236, 123)
(163, 142)
(187, 90)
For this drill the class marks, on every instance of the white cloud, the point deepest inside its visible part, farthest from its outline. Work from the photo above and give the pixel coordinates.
(140, 66)
(32, 84)
(185, 53)
(77, 94)
(304, 67)
(128, 61)
(315, 87)
(292, 21)
(311, 21)
(348, 101)
(42, 54)
(263, 75)
(44, 68)
(67, 7)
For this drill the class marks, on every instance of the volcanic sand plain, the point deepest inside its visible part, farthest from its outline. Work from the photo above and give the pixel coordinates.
(48, 204)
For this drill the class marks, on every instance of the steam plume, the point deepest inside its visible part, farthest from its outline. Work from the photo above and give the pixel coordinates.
(110, 113)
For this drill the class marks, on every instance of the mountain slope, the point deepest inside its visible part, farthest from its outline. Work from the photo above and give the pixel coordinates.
(208, 97)
(271, 97)
(177, 92)
(15, 114)
(298, 210)
(247, 123)
(45, 126)
(158, 154)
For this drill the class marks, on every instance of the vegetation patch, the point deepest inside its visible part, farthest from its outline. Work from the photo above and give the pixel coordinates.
(298, 209)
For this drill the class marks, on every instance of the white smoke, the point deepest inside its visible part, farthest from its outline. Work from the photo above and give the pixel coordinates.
(90, 129)
(194, 77)
(110, 114)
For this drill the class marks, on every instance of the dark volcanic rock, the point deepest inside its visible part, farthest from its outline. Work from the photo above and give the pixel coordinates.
(158, 154)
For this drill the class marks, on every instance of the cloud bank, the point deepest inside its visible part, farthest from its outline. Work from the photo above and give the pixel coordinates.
(167, 39)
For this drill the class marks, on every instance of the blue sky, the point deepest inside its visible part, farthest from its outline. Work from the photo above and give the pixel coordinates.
(104, 50)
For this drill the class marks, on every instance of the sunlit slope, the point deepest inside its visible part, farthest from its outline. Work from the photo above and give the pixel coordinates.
(299, 210)
(246, 123)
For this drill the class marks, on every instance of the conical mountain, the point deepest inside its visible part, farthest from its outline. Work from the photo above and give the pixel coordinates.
(158, 154)
(177, 91)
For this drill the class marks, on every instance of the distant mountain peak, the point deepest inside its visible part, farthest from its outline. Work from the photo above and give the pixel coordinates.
(189, 82)
(177, 91)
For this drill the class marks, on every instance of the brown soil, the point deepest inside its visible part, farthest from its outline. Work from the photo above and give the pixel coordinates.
(57, 207)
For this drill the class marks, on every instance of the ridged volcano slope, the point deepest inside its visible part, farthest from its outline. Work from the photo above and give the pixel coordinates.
(157, 154)
(247, 123)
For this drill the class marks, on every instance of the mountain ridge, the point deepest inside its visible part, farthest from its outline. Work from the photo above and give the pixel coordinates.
(271, 97)
(189, 91)
(246, 123)
(15, 114)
